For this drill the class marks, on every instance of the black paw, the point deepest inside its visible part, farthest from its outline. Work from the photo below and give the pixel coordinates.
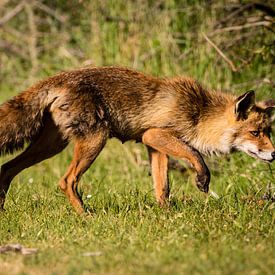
(2, 201)
(202, 181)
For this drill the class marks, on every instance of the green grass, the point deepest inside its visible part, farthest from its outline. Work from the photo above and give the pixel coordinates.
(125, 228)
(230, 235)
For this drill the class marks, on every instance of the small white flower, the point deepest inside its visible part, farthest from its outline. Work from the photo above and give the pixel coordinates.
(30, 180)
(89, 196)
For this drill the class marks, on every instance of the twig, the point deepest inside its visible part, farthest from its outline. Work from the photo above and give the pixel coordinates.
(33, 37)
(50, 11)
(12, 13)
(256, 4)
(264, 8)
(18, 35)
(234, 13)
(13, 49)
(241, 27)
(237, 40)
(18, 248)
(231, 64)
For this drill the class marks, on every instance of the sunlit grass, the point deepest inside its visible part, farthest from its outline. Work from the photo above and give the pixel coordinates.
(127, 231)
(124, 230)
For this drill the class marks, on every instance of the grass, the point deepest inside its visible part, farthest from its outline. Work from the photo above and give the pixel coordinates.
(125, 230)
(128, 232)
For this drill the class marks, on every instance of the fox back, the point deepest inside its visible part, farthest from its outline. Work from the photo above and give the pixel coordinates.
(173, 117)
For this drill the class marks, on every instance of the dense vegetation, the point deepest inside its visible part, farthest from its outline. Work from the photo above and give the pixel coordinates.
(225, 45)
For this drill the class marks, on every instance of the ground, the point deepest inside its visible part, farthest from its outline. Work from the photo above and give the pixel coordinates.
(126, 232)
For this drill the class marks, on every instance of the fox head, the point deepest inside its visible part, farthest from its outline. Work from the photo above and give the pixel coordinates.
(252, 127)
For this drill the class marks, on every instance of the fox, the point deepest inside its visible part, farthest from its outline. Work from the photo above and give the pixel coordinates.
(173, 117)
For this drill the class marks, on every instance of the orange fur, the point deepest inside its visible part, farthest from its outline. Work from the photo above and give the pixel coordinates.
(173, 117)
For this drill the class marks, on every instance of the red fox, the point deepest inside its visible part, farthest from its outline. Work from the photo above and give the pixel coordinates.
(172, 117)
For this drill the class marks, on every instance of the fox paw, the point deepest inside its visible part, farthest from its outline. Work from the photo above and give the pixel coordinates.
(202, 181)
(1, 205)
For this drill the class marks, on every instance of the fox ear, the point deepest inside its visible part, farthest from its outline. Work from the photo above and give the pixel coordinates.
(244, 104)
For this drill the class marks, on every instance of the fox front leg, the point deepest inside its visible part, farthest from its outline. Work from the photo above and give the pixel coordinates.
(165, 142)
(159, 169)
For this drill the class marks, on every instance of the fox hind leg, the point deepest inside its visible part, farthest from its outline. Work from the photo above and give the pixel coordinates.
(159, 170)
(47, 144)
(85, 152)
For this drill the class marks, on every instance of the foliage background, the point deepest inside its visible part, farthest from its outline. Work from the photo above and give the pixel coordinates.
(159, 37)
(227, 45)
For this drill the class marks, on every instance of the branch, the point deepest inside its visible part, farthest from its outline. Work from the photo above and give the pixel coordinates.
(264, 7)
(50, 11)
(18, 35)
(234, 13)
(13, 49)
(11, 14)
(237, 40)
(241, 27)
(33, 37)
(240, 10)
(231, 64)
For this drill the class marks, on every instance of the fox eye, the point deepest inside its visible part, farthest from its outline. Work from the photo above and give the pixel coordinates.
(255, 133)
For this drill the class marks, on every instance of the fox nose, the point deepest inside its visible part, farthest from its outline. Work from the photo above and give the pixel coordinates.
(273, 155)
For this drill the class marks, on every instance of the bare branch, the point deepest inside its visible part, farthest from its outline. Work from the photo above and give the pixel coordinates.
(241, 27)
(237, 40)
(50, 11)
(12, 13)
(264, 8)
(13, 49)
(234, 13)
(18, 35)
(231, 64)
(33, 36)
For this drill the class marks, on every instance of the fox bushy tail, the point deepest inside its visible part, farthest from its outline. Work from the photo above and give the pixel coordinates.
(21, 119)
